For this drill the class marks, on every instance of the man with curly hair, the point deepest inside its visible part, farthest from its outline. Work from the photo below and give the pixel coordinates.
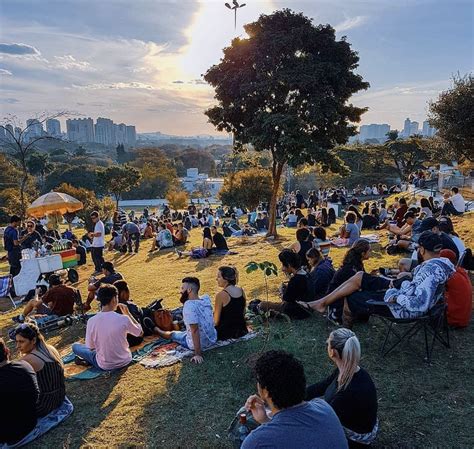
(292, 422)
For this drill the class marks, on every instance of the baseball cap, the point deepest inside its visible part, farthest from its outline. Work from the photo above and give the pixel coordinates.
(428, 224)
(430, 241)
(449, 254)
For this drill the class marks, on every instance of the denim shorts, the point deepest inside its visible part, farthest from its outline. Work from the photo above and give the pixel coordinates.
(180, 338)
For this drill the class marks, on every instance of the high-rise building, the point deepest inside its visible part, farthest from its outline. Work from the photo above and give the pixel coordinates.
(2, 134)
(414, 128)
(34, 129)
(374, 131)
(104, 131)
(53, 127)
(428, 130)
(17, 132)
(406, 128)
(121, 133)
(9, 133)
(80, 130)
(131, 135)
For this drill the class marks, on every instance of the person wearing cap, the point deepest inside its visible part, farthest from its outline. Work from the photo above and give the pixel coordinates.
(58, 300)
(110, 276)
(458, 294)
(407, 298)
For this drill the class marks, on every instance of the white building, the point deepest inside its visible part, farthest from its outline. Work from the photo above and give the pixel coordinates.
(428, 130)
(414, 128)
(120, 133)
(374, 131)
(105, 131)
(406, 128)
(34, 129)
(53, 127)
(80, 130)
(195, 181)
(131, 135)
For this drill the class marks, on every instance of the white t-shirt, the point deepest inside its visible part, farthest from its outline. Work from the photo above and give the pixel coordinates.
(199, 311)
(99, 242)
(107, 332)
(458, 202)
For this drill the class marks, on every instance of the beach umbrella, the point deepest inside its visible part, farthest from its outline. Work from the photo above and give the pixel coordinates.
(54, 202)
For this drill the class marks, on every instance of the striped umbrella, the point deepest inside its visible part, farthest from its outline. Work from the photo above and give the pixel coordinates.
(54, 202)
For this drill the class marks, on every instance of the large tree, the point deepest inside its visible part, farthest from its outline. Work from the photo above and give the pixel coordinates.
(286, 89)
(118, 179)
(453, 116)
(408, 155)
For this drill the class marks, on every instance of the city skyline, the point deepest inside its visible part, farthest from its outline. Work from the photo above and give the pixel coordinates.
(145, 67)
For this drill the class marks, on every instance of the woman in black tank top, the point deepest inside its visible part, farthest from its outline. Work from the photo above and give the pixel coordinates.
(229, 311)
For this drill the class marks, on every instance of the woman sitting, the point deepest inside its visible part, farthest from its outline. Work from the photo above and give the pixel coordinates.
(47, 364)
(302, 244)
(203, 251)
(297, 289)
(321, 272)
(359, 219)
(352, 263)
(229, 309)
(320, 241)
(425, 208)
(349, 390)
(349, 230)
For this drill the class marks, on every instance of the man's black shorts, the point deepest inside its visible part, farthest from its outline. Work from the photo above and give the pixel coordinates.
(372, 283)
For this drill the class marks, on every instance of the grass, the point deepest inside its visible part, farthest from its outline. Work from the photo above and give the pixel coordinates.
(188, 406)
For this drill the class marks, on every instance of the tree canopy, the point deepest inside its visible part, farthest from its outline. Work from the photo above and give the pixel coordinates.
(118, 179)
(286, 89)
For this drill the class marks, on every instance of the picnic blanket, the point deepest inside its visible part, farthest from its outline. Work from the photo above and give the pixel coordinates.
(45, 424)
(171, 353)
(80, 372)
(341, 243)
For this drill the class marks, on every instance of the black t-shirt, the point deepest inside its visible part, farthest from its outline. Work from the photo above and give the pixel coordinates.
(19, 394)
(219, 241)
(81, 251)
(355, 405)
(109, 279)
(448, 243)
(31, 239)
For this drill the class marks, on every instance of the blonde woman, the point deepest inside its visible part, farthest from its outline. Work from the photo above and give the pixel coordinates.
(349, 390)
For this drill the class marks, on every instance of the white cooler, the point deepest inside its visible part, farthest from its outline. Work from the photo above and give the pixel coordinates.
(51, 263)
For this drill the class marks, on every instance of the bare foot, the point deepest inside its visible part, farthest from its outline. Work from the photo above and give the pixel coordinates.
(319, 306)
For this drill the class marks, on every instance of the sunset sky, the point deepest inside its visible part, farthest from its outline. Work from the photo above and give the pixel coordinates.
(140, 62)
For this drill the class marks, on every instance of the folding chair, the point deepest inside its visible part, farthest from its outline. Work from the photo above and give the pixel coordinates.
(6, 283)
(433, 324)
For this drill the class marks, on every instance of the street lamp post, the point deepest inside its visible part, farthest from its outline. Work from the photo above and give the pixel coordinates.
(235, 8)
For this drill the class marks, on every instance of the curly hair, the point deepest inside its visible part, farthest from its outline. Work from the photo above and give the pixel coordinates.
(353, 257)
(282, 375)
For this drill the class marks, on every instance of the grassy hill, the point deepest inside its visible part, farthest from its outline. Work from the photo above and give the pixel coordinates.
(188, 406)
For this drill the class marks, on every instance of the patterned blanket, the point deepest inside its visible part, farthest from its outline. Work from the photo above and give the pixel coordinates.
(341, 243)
(171, 353)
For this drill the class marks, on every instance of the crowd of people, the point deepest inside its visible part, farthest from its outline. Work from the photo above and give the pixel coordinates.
(338, 411)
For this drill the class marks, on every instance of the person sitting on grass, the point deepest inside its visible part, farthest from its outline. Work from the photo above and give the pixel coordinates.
(293, 423)
(219, 241)
(458, 294)
(321, 272)
(403, 232)
(302, 244)
(200, 332)
(454, 204)
(164, 238)
(349, 230)
(229, 307)
(298, 288)
(320, 241)
(445, 225)
(58, 300)
(106, 346)
(405, 298)
(81, 252)
(148, 232)
(349, 390)
(200, 252)
(47, 364)
(399, 214)
(181, 235)
(110, 276)
(352, 263)
(19, 392)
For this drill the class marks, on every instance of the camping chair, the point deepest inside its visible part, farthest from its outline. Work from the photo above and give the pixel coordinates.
(6, 283)
(433, 324)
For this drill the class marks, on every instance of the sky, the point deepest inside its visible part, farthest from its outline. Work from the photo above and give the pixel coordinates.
(142, 62)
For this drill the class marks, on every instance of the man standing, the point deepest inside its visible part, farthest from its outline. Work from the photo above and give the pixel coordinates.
(98, 241)
(12, 244)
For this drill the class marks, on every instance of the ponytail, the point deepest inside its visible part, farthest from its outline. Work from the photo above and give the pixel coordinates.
(346, 343)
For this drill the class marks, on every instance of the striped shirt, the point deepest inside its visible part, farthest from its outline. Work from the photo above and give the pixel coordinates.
(324, 246)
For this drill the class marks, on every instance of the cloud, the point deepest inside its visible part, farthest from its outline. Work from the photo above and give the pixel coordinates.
(119, 85)
(19, 49)
(178, 82)
(350, 23)
(198, 81)
(69, 62)
(9, 100)
(5, 72)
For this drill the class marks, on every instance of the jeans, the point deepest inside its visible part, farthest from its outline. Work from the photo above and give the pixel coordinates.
(89, 355)
(449, 209)
(14, 257)
(97, 257)
(180, 338)
(133, 237)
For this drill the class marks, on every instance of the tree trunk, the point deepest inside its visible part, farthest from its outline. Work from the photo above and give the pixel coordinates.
(277, 170)
(24, 180)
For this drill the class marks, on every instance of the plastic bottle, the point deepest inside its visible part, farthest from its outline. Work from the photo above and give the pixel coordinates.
(243, 429)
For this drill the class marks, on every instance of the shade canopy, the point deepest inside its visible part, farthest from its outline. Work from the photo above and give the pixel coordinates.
(54, 202)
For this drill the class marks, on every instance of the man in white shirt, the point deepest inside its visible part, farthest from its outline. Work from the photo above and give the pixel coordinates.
(455, 204)
(198, 318)
(98, 241)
